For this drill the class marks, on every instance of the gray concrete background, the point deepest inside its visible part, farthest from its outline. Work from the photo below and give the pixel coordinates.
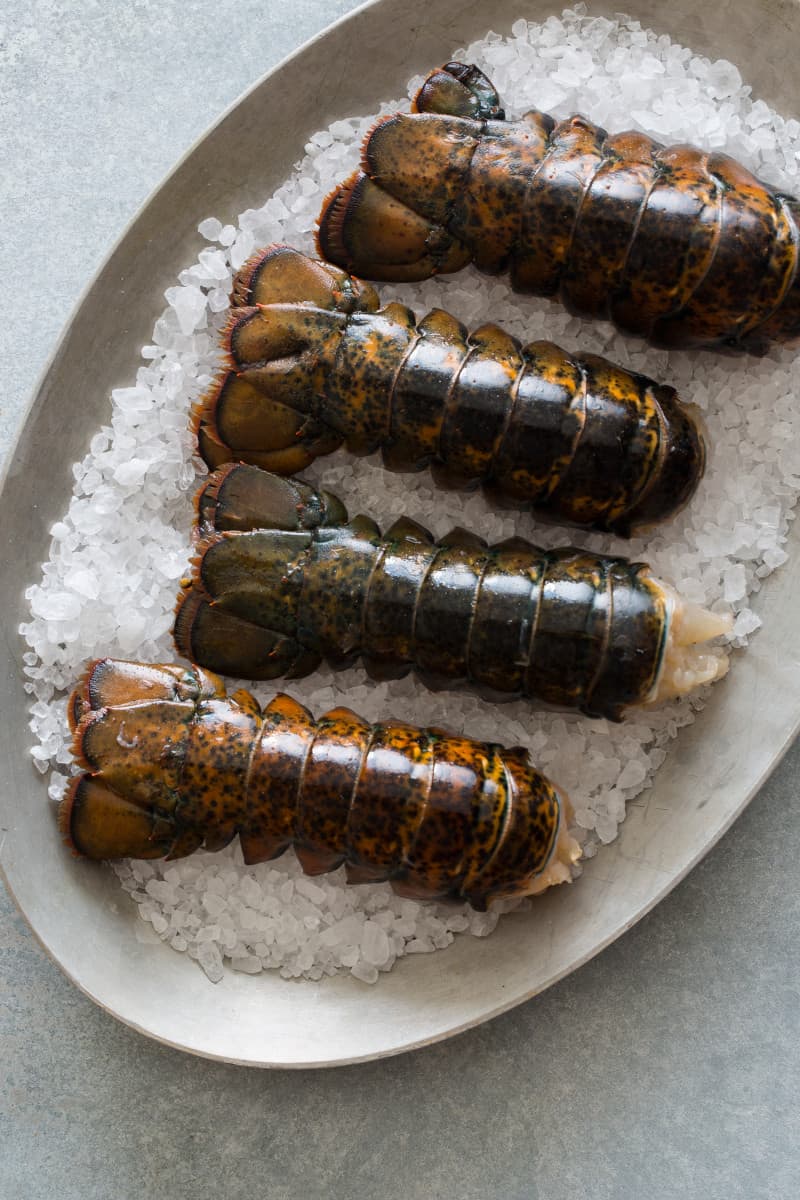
(668, 1067)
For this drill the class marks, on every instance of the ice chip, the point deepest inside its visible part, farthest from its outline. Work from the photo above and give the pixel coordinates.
(210, 229)
(374, 944)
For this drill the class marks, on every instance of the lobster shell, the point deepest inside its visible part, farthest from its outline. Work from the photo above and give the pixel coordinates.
(282, 580)
(173, 764)
(675, 244)
(315, 363)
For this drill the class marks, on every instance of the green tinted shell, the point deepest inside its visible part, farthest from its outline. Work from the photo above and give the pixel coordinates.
(561, 627)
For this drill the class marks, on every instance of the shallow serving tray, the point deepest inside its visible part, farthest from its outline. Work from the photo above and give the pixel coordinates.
(77, 910)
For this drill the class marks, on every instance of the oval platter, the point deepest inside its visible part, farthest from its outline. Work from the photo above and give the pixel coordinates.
(76, 910)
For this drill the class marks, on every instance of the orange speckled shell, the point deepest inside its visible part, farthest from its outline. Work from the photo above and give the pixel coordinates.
(684, 247)
(571, 436)
(438, 815)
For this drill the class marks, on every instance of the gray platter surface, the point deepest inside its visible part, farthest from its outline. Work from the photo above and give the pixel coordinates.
(75, 909)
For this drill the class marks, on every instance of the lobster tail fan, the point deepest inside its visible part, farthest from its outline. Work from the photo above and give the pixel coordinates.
(459, 90)
(261, 334)
(97, 823)
(242, 497)
(235, 421)
(369, 232)
(283, 275)
(233, 646)
(110, 683)
(423, 162)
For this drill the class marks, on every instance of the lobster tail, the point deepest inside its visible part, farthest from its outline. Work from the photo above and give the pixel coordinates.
(680, 246)
(437, 815)
(572, 436)
(565, 627)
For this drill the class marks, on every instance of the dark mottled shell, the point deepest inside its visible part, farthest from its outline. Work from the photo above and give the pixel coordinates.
(681, 246)
(439, 816)
(564, 627)
(571, 436)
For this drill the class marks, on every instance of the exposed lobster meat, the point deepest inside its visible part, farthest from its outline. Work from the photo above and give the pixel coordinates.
(282, 581)
(174, 764)
(683, 247)
(316, 363)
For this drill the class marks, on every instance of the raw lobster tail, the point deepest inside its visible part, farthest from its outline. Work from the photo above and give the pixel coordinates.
(317, 364)
(174, 764)
(683, 247)
(564, 627)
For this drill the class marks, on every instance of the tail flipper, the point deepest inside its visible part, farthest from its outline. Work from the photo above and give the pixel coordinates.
(233, 645)
(368, 231)
(459, 90)
(241, 497)
(97, 823)
(283, 275)
(236, 422)
(287, 314)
